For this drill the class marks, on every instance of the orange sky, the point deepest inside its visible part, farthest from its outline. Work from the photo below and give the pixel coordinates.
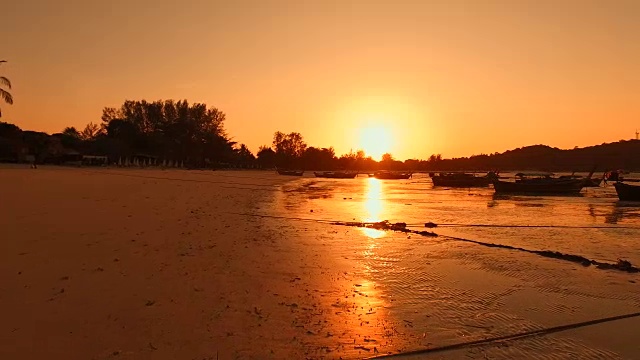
(450, 77)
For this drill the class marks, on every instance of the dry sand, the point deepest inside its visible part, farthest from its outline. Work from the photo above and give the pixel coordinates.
(151, 264)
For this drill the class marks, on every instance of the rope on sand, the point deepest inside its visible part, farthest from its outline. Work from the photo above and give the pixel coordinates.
(621, 265)
(518, 336)
(433, 225)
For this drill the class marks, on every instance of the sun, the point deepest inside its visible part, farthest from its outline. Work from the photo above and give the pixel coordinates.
(375, 141)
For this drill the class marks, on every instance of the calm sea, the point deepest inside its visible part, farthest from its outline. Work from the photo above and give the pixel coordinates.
(605, 228)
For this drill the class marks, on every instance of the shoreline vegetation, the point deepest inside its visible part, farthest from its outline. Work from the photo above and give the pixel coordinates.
(193, 135)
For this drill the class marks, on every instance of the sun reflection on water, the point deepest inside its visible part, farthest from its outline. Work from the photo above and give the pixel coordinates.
(374, 206)
(373, 203)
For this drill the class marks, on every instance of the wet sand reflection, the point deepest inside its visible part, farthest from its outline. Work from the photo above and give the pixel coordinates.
(385, 292)
(373, 207)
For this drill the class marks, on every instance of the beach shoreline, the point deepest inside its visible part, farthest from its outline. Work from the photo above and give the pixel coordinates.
(151, 264)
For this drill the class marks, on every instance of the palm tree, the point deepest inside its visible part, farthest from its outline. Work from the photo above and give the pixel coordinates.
(5, 95)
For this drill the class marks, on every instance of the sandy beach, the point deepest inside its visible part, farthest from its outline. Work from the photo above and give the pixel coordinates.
(153, 264)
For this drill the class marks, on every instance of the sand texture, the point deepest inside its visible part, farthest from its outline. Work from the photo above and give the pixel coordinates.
(153, 264)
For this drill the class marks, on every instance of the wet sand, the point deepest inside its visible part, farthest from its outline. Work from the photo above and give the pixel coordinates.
(152, 264)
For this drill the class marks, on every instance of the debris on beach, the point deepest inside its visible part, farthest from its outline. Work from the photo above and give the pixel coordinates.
(385, 225)
(621, 265)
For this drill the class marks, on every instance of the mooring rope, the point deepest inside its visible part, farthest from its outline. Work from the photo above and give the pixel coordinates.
(621, 265)
(512, 337)
(433, 225)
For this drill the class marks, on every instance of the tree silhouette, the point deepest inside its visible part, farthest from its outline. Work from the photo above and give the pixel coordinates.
(5, 95)
(243, 156)
(71, 131)
(266, 157)
(387, 157)
(172, 130)
(289, 148)
(90, 132)
(318, 159)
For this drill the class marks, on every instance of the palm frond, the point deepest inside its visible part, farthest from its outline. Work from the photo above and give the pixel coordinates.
(6, 96)
(5, 81)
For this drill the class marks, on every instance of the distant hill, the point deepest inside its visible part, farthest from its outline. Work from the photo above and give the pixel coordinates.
(618, 155)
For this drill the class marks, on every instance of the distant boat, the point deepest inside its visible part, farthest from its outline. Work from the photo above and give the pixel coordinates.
(536, 177)
(290, 172)
(588, 181)
(389, 175)
(543, 185)
(463, 180)
(336, 174)
(627, 192)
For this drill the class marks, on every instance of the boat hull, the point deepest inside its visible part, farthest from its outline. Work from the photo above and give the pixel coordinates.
(592, 182)
(392, 176)
(627, 192)
(290, 172)
(335, 175)
(568, 187)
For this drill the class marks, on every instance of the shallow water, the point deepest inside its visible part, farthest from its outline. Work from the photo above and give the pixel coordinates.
(416, 201)
(433, 291)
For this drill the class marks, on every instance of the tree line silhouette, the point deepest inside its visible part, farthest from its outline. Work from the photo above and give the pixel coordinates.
(161, 130)
(194, 135)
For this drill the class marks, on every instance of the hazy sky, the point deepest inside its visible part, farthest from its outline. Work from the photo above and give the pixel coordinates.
(450, 77)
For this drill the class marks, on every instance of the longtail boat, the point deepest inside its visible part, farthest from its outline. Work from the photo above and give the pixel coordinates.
(627, 192)
(336, 174)
(389, 175)
(464, 180)
(550, 186)
(290, 172)
(589, 181)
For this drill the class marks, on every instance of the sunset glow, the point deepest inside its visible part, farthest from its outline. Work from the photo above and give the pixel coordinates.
(375, 141)
(449, 79)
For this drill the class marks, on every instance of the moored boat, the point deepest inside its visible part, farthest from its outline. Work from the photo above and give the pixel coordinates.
(290, 172)
(539, 187)
(336, 174)
(589, 181)
(461, 179)
(536, 177)
(390, 175)
(627, 192)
